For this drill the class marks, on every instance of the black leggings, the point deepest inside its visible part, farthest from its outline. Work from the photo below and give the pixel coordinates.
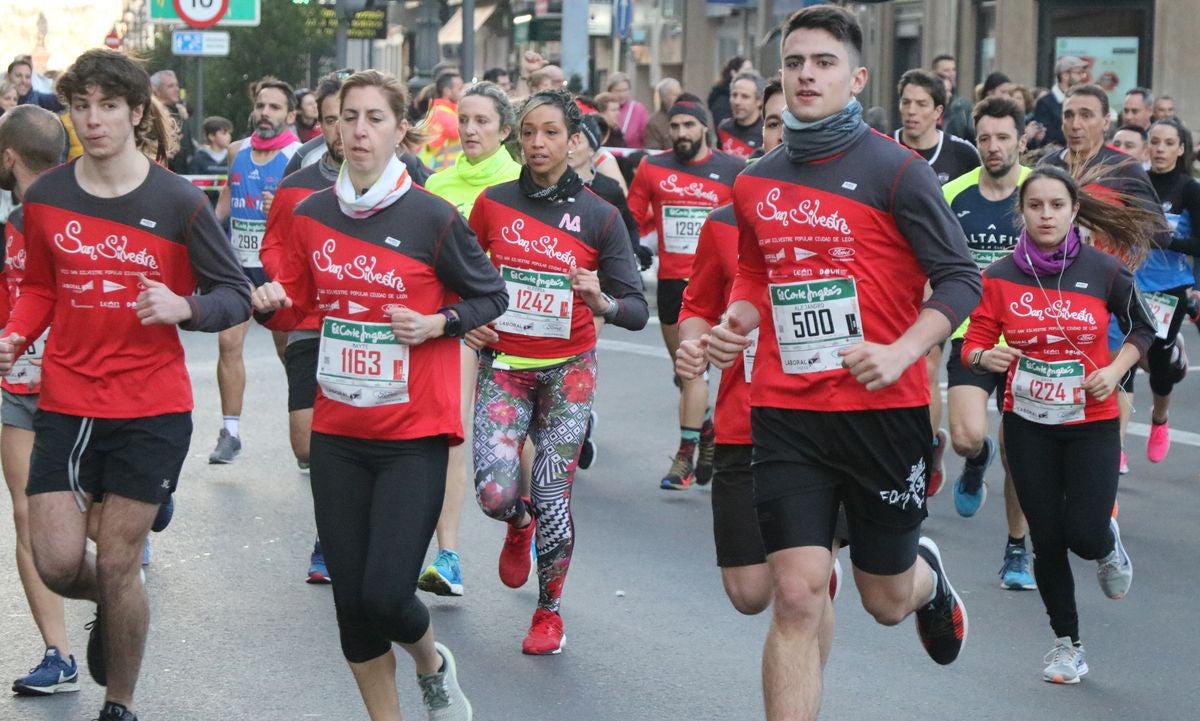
(1162, 375)
(377, 505)
(1066, 481)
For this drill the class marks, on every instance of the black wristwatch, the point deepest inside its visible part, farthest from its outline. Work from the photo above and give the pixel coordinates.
(453, 327)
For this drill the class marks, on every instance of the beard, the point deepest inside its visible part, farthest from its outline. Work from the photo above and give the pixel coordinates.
(268, 133)
(1003, 171)
(685, 149)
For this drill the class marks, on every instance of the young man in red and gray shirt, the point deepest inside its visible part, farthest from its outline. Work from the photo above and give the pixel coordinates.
(672, 194)
(838, 233)
(116, 247)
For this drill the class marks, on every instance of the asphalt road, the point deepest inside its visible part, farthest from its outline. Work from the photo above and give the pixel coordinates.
(237, 634)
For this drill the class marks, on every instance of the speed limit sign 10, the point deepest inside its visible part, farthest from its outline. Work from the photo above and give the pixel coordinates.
(201, 13)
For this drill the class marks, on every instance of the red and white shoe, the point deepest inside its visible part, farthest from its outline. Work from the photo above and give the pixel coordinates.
(545, 637)
(514, 556)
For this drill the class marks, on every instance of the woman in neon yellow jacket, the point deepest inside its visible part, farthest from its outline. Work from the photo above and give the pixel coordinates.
(485, 120)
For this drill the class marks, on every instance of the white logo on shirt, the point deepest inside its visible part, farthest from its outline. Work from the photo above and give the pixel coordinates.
(1058, 309)
(802, 254)
(147, 223)
(691, 190)
(849, 185)
(807, 213)
(113, 247)
(361, 268)
(965, 213)
(111, 287)
(546, 245)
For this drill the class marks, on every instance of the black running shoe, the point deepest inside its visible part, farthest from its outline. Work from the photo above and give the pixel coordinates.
(705, 452)
(942, 625)
(115, 712)
(95, 653)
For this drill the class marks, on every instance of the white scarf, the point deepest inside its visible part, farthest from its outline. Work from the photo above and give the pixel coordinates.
(389, 188)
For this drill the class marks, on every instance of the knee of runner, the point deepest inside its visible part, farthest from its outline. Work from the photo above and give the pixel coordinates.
(1090, 544)
(401, 617)
(799, 601)
(117, 568)
(886, 612)
(966, 441)
(497, 500)
(749, 601)
(361, 642)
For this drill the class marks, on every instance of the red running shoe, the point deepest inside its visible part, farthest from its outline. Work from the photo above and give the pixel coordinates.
(545, 637)
(942, 625)
(514, 556)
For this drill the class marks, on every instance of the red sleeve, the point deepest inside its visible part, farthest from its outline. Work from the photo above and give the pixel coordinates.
(478, 221)
(295, 276)
(639, 200)
(707, 290)
(272, 251)
(985, 329)
(750, 283)
(34, 308)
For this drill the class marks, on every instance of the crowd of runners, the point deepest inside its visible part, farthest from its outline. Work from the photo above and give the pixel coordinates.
(436, 272)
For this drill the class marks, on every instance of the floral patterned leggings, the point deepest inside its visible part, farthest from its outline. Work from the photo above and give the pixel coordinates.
(552, 406)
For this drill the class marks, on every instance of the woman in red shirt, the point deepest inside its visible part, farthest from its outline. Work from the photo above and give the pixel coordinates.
(1052, 301)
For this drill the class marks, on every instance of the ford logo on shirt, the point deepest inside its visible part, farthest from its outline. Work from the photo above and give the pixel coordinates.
(1087, 338)
(841, 252)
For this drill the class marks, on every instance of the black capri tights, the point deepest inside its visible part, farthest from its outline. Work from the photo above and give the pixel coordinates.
(1162, 374)
(1066, 481)
(377, 505)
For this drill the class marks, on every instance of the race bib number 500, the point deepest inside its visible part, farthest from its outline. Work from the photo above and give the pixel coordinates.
(362, 364)
(1048, 392)
(813, 320)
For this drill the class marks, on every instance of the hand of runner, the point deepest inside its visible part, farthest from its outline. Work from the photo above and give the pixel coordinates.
(531, 61)
(413, 328)
(481, 337)
(587, 284)
(267, 198)
(1101, 383)
(875, 365)
(999, 358)
(158, 304)
(8, 351)
(690, 360)
(270, 297)
(724, 345)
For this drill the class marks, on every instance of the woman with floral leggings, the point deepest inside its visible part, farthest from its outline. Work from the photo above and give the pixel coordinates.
(565, 256)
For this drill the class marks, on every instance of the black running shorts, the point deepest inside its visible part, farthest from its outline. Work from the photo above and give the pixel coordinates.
(137, 458)
(670, 299)
(958, 374)
(735, 522)
(876, 463)
(300, 360)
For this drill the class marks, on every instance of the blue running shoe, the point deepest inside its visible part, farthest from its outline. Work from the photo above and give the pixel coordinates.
(53, 675)
(317, 572)
(444, 576)
(165, 513)
(1015, 574)
(970, 491)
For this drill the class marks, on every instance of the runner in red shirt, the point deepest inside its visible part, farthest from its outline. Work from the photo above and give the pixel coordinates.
(116, 248)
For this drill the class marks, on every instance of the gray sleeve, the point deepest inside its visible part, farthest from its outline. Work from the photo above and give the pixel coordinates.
(463, 267)
(929, 226)
(1133, 317)
(619, 276)
(223, 300)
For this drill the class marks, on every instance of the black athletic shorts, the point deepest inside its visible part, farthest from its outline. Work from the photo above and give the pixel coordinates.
(300, 360)
(138, 458)
(876, 463)
(958, 374)
(670, 299)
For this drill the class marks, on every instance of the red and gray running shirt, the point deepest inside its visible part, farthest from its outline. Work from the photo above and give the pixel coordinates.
(535, 244)
(1061, 327)
(740, 140)
(674, 198)
(843, 246)
(416, 253)
(25, 377)
(280, 246)
(707, 297)
(84, 255)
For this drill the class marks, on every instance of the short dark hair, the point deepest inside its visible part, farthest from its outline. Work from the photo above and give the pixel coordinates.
(444, 81)
(493, 74)
(773, 88)
(838, 22)
(280, 85)
(999, 106)
(328, 86)
(939, 58)
(1143, 132)
(1146, 93)
(20, 60)
(215, 124)
(1094, 91)
(35, 134)
(931, 83)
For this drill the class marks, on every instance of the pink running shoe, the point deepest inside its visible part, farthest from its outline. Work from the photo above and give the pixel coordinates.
(1159, 443)
(1123, 469)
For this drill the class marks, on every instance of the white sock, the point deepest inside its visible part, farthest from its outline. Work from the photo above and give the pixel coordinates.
(933, 593)
(231, 425)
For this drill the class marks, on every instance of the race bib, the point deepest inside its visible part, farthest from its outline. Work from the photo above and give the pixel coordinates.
(362, 364)
(247, 239)
(749, 353)
(1162, 307)
(539, 304)
(681, 227)
(813, 320)
(1048, 392)
(27, 370)
(984, 258)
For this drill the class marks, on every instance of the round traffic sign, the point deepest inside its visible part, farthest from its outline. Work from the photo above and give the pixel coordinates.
(201, 13)
(112, 40)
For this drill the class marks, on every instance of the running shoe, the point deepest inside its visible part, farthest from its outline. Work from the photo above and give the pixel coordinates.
(95, 650)
(228, 446)
(680, 475)
(443, 577)
(115, 712)
(835, 580)
(514, 556)
(166, 512)
(1065, 663)
(1115, 571)
(317, 572)
(587, 452)
(146, 553)
(53, 675)
(706, 449)
(1159, 442)
(545, 637)
(942, 625)
(970, 490)
(303, 466)
(1015, 574)
(440, 692)
(1123, 469)
(937, 467)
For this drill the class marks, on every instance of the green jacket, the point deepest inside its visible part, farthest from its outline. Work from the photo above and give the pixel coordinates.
(462, 182)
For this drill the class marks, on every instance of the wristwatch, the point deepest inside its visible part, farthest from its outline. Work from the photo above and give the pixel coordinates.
(453, 327)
